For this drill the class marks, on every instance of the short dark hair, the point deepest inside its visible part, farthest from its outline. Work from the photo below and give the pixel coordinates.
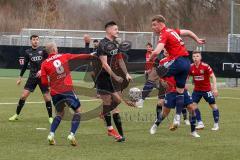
(196, 52)
(159, 18)
(149, 44)
(34, 36)
(95, 41)
(109, 24)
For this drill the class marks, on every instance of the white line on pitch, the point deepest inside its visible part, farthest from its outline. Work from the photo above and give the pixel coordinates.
(84, 100)
(92, 100)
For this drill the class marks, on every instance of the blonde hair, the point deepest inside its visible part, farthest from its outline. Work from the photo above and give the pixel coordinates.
(159, 18)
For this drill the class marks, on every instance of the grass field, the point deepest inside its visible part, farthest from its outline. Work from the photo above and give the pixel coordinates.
(20, 140)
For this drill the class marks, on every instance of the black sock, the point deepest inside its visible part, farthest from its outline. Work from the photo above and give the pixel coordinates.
(49, 108)
(107, 118)
(192, 118)
(118, 123)
(184, 113)
(21, 103)
(158, 110)
(159, 119)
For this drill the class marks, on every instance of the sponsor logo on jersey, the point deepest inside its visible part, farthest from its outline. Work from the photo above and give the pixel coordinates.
(199, 78)
(36, 58)
(114, 52)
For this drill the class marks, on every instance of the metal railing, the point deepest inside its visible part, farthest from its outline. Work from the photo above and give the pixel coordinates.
(74, 38)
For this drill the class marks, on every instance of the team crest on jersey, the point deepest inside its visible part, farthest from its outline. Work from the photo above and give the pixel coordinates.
(40, 52)
(201, 71)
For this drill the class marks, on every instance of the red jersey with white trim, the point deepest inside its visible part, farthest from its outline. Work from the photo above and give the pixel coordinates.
(173, 43)
(201, 76)
(56, 70)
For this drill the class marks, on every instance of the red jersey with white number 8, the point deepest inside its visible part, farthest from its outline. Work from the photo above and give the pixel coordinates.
(56, 70)
(173, 43)
(201, 76)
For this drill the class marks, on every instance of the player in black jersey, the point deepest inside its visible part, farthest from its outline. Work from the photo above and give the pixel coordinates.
(34, 56)
(112, 78)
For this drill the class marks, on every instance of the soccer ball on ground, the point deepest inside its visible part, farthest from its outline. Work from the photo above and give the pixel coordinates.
(135, 94)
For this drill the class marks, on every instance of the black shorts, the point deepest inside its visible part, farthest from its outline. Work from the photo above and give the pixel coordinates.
(32, 83)
(105, 85)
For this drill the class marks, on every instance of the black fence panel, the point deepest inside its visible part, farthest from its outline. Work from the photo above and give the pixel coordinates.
(224, 64)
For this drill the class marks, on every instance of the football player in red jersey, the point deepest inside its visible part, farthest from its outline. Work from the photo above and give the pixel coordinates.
(178, 64)
(201, 73)
(56, 72)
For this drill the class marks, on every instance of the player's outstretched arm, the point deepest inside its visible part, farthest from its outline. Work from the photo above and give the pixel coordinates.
(189, 33)
(157, 50)
(79, 56)
(214, 85)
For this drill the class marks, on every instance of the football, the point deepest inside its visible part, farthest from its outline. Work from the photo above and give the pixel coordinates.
(135, 94)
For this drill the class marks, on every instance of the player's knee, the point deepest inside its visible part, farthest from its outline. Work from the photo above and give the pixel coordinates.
(24, 96)
(116, 110)
(213, 106)
(191, 107)
(47, 97)
(161, 102)
(60, 114)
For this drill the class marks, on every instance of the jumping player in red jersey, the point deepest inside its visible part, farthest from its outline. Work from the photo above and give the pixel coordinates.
(55, 70)
(178, 64)
(201, 73)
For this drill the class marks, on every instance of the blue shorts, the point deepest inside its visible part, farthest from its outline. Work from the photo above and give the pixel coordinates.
(170, 99)
(69, 98)
(208, 96)
(179, 69)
